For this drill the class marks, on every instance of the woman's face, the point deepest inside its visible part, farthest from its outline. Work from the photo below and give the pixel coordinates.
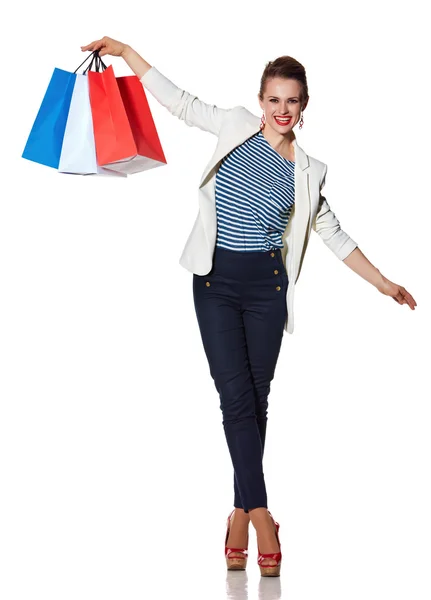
(281, 99)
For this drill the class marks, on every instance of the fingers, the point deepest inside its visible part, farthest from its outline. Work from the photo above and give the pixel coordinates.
(408, 298)
(400, 298)
(403, 297)
(93, 46)
(412, 302)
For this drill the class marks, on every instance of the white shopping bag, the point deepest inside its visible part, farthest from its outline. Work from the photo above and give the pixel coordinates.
(78, 153)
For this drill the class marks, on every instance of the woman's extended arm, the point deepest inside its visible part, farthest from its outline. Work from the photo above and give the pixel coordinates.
(328, 227)
(180, 103)
(359, 263)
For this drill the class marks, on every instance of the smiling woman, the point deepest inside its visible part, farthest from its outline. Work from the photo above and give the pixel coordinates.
(260, 197)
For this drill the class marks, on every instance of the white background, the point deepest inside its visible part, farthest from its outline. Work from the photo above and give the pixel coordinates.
(116, 480)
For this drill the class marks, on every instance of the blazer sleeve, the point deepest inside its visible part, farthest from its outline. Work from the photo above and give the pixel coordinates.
(328, 227)
(183, 104)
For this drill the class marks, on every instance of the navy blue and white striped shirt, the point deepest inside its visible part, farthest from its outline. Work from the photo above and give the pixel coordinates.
(254, 193)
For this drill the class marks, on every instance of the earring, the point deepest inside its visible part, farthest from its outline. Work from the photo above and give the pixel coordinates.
(262, 121)
(301, 122)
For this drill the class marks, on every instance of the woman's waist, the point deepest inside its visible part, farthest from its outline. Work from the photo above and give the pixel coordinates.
(247, 265)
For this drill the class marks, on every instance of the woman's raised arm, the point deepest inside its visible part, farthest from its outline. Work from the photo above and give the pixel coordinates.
(180, 103)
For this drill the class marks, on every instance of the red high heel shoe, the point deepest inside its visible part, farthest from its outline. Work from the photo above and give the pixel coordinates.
(270, 570)
(235, 562)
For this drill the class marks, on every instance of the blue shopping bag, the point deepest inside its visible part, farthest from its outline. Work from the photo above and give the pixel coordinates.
(46, 136)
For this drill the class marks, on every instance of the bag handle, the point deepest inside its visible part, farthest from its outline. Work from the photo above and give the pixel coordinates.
(99, 65)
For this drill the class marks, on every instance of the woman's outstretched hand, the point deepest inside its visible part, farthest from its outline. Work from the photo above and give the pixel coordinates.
(397, 292)
(106, 46)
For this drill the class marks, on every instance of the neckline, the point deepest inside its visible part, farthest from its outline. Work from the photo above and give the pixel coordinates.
(292, 162)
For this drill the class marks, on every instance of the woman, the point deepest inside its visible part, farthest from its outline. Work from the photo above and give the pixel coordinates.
(259, 198)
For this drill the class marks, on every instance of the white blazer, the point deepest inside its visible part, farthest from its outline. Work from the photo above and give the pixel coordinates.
(232, 127)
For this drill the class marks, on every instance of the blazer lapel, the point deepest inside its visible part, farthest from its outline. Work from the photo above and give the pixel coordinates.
(302, 211)
(240, 133)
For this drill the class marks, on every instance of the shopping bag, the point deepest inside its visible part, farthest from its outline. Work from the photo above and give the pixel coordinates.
(78, 153)
(149, 150)
(46, 136)
(112, 132)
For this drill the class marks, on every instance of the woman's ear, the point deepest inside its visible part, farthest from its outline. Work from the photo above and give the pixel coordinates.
(260, 102)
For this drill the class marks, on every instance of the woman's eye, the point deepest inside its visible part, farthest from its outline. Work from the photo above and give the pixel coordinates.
(275, 100)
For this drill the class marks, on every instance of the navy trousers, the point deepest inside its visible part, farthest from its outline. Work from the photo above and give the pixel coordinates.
(241, 310)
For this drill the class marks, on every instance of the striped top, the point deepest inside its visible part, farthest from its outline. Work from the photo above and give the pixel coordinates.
(254, 193)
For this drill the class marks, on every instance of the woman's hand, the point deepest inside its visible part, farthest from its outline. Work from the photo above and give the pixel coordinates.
(109, 46)
(106, 46)
(397, 292)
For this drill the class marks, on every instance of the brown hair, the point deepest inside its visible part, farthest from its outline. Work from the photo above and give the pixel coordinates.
(288, 67)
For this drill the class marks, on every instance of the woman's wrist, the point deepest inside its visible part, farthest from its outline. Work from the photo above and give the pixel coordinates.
(359, 263)
(126, 51)
(138, 65)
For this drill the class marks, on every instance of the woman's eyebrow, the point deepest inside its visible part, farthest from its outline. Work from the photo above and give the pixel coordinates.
(291, 98)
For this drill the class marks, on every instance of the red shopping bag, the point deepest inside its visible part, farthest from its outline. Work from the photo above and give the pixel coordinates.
(113, 136)
(149, 149)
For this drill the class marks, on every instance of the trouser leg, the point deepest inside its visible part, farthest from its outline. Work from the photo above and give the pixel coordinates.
(264, 312)
(223, 335)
